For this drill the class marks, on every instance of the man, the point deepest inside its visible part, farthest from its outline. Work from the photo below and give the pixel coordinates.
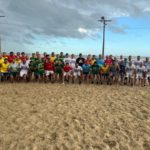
(138, 62)
(14, 71)
(5, 70)
(104, 72)
(113, 73)
(24, 67)
(130, 74)
(72, 61)
(49, 70)
(67, 59)
(66, 72)
(140, 70)
(77, 73)
(95, 69)
(86, 71)
(100, 61)
(59, 70)
(11, 57)
(52, 57)
(80, 60)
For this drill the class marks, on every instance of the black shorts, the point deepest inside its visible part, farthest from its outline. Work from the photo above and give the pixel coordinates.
(85, 73)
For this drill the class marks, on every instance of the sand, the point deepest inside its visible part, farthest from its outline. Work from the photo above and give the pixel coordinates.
(37, 116)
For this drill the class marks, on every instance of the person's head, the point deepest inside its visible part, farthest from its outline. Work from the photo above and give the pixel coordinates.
(110, 56)
(52, 54)
(67, 55)
(18, 54)
(147, 59)
(47, 57)
(61, 54)
(80, 55)
(72, 56)
(138, 58)
(11, 53)
(33, 55)
(5, 61)
(23, 53)
(93, 56)
(130, 58)
(100, 56)
(59, 62)
(113, 62)
(107, 57)
(95, 62)
(4, 54)
(67, 64)
(125, 59)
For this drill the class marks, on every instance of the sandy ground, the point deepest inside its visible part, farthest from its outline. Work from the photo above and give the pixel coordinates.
(51, 117)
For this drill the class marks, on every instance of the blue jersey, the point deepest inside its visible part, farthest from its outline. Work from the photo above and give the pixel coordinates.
(86, 68)
(100, 62)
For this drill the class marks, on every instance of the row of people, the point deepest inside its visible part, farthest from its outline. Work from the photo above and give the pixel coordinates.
(63, 68)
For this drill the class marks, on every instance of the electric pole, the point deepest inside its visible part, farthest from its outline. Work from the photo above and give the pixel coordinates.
(104, 21)
(1, 39)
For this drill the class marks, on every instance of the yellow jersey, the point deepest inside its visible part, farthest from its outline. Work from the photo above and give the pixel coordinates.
(52, 58)
(18, 61)
(4, 67)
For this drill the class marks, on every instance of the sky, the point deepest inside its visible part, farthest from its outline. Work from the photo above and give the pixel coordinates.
(72, 26)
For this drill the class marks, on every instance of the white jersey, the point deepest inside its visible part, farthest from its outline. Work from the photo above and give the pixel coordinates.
(130, 69)
(67, 60)
(148, 70)
(140, 70)
(137, 63)
(77, 69)
(24, 66)
(73, 62)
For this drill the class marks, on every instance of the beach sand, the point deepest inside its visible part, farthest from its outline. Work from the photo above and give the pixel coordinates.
(37, 116)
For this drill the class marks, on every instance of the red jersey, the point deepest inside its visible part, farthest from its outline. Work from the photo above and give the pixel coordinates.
(67, 68)
(11, 58)
(49, 66)
(23, 58)
(108, 62)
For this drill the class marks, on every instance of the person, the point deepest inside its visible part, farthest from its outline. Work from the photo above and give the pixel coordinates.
(11, 57)
(113, 73)
(138, 62)
(86, 71)
(95, 69)
(24, 67)
(104, 72)
(89, 59)
(93, 59)
(80, 60)
(122, 66)
(4, 70)
(66, 72)
(39, 72)
(100, 61)
(108, 61)
(23, 57)
(72, 61)
(77, 73)
(52, 57)
(14, 71)
(49, 70)
(148, 73)
(140, 70)
(59, 70)
(130, 74)
(67, 59)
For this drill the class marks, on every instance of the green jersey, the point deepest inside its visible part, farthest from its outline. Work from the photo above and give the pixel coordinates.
(95, 69)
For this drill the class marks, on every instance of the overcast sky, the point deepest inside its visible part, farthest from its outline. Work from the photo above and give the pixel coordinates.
(72, 26)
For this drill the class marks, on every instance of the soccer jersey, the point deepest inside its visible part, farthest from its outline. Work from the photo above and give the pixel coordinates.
(95, 69)
(137, 63)
(86, 68)
(52, 58)
(14, 67)
(140, 70)
(67, 68)
(80, 61)
(4, 67)
(130, 69)
(67, 60)
(77, 69)
(24, 67)
(49, 66)
(100, 62)
(11, 58)
(72, 62)
(58, 68)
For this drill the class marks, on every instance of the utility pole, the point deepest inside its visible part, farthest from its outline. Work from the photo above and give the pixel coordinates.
(104, 21)
(1, 38)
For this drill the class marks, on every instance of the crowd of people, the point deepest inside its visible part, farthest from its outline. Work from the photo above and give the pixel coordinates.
(67, 68)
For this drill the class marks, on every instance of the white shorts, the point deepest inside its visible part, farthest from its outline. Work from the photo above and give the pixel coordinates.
(129, 74)
(47, 72)
(77, 74)
(23, 73)
(139, 76)
(66, 73)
